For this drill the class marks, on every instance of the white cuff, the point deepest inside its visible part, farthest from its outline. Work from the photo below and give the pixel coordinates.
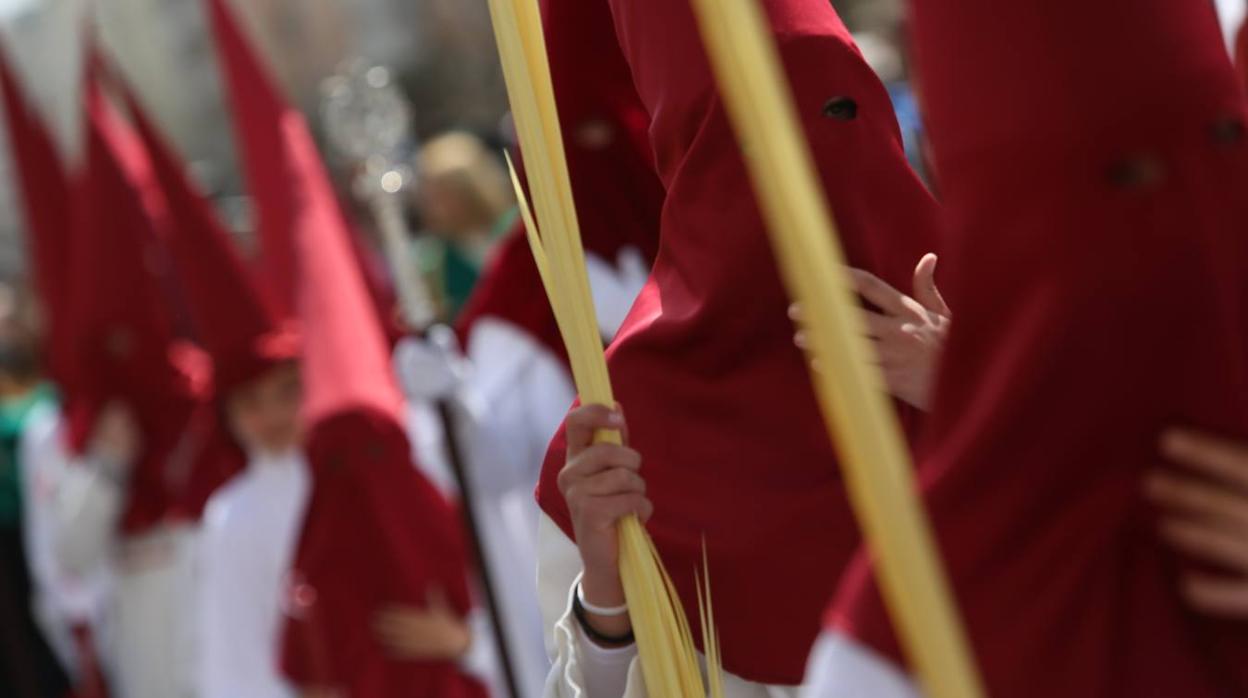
(429, 369)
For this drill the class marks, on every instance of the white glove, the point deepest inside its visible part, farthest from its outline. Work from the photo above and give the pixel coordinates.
(429, 368)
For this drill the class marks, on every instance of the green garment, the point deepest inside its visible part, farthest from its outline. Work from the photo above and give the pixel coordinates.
(453, 270)
(13, 415)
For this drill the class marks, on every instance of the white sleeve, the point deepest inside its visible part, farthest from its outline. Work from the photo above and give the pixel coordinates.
(576, 673)
(605, 668)
(522, 392)
(88, 506)
(42, 458)
(615, 285)
(842, 668)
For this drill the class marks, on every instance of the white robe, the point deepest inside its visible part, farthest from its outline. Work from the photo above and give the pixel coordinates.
(61, 600)
(842, 668)
(1231, 13)
(150, 634)
(510, 396)
(251, 527)
(516, 593)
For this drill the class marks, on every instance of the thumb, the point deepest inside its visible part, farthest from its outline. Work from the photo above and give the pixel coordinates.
(925, 290)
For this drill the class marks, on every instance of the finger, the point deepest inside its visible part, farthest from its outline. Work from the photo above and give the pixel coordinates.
(1223, 459)
(892, 359)
(925, 290)
(878, 293)
(1199, 498)
(646, 511)
(800, 340)
(607, 511)
(584, 421)
(795, 312)
(882, 326)
(598, 458)
(1207, 543)
(612, 482)
(1217, 595)
(623, 428)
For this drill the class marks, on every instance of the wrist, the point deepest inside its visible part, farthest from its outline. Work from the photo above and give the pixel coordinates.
(608, 631)
(602, 587)
(603, 591)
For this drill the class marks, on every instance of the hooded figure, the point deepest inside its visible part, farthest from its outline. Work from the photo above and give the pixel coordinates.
(250, 525)
(376, 535)
(1095, 174)
(718, 399)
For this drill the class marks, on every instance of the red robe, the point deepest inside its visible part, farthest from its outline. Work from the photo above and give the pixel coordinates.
(718, 399)
(1094, 161)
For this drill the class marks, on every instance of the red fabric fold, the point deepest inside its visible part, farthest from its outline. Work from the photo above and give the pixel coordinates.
(1095, 173)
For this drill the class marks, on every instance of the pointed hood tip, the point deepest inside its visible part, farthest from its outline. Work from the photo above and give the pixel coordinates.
(233, 319)
(346, 362)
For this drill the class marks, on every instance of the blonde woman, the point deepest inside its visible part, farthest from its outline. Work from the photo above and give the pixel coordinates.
(465, 203)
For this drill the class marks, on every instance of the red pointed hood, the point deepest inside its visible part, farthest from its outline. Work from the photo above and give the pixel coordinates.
(47, 194)
(258, 108)
(1098, 283)
(618, 194)
(346, 363)
(123, 338)
(233, 320)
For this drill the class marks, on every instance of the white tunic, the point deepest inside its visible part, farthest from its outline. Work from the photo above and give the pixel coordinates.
(62, 600)
(251, 527)
(1232, 14)
(842, 668)
(150, 631)
(513, 581)
(510, 396)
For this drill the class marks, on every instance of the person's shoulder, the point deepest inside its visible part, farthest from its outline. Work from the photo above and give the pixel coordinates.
(225, 504)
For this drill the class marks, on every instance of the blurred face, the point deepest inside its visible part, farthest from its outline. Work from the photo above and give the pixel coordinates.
(264, 413)
(443, 208)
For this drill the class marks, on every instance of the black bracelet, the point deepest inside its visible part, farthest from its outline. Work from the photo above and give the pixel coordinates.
(597, 637)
